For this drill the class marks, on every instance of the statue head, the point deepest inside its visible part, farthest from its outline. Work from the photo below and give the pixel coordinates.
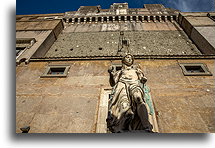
(128, 60)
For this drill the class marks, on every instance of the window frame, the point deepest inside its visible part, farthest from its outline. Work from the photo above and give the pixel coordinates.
(65, 73)
(202, 65)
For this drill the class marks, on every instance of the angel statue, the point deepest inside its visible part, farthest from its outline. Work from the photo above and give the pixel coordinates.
(127, 110)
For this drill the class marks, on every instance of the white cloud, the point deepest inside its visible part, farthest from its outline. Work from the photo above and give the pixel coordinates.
(192, 5)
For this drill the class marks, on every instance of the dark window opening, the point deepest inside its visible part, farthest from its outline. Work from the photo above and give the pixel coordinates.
(116, 18)
(76, 20)
(194, 69)
(134, 18)
(128, 18)
(140, 18)
(88, 19)
(151, 18)
(122, 18)
(145, 18)
(82, 20)
(163, 18)
(56, 71)
(100, 48)
(105, 19)
(174, 17)
(93, 19)
(157, 18)
(110, 18)
(99, 19)
(169, 18)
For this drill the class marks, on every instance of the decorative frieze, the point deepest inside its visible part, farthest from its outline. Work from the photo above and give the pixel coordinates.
(122, 18)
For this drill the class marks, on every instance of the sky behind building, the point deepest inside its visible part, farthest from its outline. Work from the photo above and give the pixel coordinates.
(61, 6)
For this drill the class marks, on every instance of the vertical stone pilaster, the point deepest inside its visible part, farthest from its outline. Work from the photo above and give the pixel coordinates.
(107, 19)
(79, 20)
(165, 18)
(137, 19)
(67, 20)
(142, 19)
(125, 18)
(73, 20)
(171, 18)
(85, 19)
(90, 20)
(102, 19)
(154, 19)
(160, 19)
(119, 17)
(148, 19)
(113, 18)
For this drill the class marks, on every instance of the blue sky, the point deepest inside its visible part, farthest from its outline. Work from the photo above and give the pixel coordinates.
(61, 6)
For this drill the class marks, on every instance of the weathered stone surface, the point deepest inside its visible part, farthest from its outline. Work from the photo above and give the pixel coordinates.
(37, 25)
(205, 38)
(52, 105)
(141, 43)
(200, 21)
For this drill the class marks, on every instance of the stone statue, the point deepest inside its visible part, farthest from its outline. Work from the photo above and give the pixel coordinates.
(127, 109)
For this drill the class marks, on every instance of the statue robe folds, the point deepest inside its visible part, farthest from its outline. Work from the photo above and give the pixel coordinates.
(127, 107)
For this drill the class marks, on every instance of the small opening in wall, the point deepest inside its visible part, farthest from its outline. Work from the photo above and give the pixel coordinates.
(123, 18)
(71, 49)
(110, 18)
(157, 18)
(56, 71)
(100, 48)
(105, 19)
(145, 18)
(140, 18)
(88, 19)
(76, 20)
(82, 20)
(93, 19)
(116, 18)
(194, 69)
(134, 18)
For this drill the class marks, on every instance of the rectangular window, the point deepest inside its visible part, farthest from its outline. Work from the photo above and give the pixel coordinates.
(56, 71)
(195, 69)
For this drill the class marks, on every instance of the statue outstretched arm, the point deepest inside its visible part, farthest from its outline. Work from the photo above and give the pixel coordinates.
(114, 76)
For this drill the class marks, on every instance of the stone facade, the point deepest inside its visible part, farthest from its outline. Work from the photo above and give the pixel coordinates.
(89, 40)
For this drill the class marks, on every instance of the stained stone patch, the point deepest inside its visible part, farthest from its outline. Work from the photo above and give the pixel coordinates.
(140, 43)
